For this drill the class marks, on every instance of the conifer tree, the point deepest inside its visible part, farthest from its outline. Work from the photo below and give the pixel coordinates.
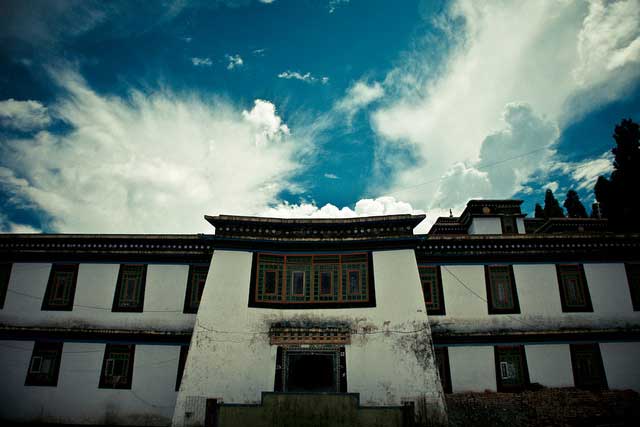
(619, 196)
(539, 212)
(573, 205)
(552, 208)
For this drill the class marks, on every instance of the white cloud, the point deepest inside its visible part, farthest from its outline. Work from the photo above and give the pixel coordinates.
(267, 124)
(201, 62)
(358, 96)
(23, 115)
(331, 176)
(149, 163)
(266, 1)
(586, 172)
(235, 61)
(333, 4)
(553, 186)
(531, 53)
(307, 77)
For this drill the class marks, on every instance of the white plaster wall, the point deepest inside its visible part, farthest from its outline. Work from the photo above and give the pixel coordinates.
(163, 302)
(472, 368)
(550, 364)
(77, 399)
(231, 359)
(520, 225)
(621, 364)
(539, 299)
(491, 225)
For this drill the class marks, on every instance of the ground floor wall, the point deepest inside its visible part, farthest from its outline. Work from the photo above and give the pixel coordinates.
(77, 398)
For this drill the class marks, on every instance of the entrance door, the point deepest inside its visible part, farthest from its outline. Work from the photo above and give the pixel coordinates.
(321, 369)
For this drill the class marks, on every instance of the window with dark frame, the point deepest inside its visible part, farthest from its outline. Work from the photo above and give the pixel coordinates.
(44, 365)
(195, 287)
(322, 280)
(502, 295)
(5, 275)
(633, 278)
(182, 361)
(444, 370)
(512, 374)
(129, 295)
(117, 366)
(588, 370)
(61, 287)
(509, 224)
(431, 279)
(574, 292)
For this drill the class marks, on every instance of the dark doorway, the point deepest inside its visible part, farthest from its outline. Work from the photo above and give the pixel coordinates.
(311, 372)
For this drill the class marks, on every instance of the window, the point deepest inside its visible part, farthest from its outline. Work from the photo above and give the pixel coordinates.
(117, 366)
(61, 287)
(327, 280)
(5, 274)
(182, 361)
(633, 277)
(511, 368)
(588, 372)
(502, 296)
(574, 293)
(130, 288)
(432, 289)
(195, 287)
(509, 224)
(444, 371)
(45, 364)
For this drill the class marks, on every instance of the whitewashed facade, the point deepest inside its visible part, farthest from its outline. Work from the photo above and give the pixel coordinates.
(509, 303)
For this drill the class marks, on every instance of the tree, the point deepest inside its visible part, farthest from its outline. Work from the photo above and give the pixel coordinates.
(539, 213)
(619, 196)
(552, 208)
(573, 205)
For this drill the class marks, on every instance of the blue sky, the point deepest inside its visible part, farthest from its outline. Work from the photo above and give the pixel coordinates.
(141, 117)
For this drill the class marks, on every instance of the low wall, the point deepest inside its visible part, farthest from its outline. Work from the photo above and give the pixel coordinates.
(548, 407)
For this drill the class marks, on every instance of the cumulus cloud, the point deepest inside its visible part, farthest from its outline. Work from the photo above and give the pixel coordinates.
(23, 115)
(534, 54)
(307, 77)
(235, 61)
(358, 96)
(201, 62)
(148, 163)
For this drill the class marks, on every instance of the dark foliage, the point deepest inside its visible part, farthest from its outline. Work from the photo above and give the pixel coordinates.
(539, 213)
(573, 205)
(552, 208)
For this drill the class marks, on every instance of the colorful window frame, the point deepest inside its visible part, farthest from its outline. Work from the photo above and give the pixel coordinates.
(588, 370)
(117, 366)
(5, 275)
(129, 295)
(444, 369)
(512, 373)
(502, 295)
(195, 287)
(431, 279)
(633, 278)
(44, 365)
(574, 291)
(61, 287)
(295, 280)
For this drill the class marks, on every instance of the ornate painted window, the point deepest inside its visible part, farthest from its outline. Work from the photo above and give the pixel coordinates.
(304, 280)
(44, 365)
(574, 292)
(431, 279)
(117, 366)
(511, 368)
(444, 371)
(129, 294)
(61, 287)
(5, 274)
(502, 295)
(633, 277)
(588, 371)
(195, 287)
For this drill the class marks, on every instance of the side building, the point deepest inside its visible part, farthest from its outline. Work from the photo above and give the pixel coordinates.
(356, 319)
